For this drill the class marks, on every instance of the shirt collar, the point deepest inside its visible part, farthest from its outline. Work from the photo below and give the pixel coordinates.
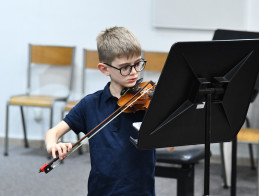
(107, 93)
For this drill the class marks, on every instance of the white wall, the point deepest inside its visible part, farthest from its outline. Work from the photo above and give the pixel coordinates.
(77, 23)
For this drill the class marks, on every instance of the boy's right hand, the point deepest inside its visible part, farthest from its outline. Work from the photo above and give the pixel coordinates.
(59, 149)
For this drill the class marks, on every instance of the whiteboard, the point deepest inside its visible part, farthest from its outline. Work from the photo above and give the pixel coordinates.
(200, 14)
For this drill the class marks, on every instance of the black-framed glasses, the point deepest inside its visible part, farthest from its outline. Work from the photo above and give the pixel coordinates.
(126, 70)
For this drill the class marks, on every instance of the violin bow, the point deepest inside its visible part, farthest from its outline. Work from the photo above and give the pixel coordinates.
(49, 166)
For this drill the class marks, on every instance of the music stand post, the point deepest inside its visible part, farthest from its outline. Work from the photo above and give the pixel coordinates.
(207, 146)
(202, 96)
(211, 92)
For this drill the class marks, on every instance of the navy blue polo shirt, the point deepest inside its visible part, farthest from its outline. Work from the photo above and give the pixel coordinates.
(117, 166)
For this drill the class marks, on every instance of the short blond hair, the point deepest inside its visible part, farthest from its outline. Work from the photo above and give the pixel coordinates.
(117, 42)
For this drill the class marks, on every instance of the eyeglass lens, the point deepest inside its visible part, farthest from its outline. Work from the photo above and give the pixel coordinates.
(139, 66)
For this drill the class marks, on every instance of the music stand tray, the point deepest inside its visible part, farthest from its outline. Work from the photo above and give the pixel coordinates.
(202, 95)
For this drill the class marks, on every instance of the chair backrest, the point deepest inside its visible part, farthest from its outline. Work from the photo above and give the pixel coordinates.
(90, 61)
(51, 56)
(155, 60)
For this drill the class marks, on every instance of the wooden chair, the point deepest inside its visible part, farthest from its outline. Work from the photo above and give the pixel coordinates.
(90, 61)
(45, 58)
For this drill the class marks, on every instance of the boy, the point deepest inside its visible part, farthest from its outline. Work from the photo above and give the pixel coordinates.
(117, 167)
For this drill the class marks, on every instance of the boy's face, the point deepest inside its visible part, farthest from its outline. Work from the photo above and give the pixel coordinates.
(120, 80)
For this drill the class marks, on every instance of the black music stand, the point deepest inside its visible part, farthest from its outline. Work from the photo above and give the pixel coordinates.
(202, 96)
(225, 34)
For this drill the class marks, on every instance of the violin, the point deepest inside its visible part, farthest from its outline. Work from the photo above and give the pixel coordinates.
(132, 99)
(140, 102)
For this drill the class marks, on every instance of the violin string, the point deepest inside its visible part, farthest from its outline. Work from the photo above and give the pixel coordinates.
(88, 138)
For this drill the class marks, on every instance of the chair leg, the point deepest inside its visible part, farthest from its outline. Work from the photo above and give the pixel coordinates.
(6, 130)
(51, 117)
(257, 170)
(224, 175)
(251, 156)
(185, 184)
(80, 151)
(26, 144)
(62, 116)
(50, 126)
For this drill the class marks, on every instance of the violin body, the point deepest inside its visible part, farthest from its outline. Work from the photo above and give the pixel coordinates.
(142, 98)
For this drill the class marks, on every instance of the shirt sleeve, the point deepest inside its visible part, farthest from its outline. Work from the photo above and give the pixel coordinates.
(76, 117)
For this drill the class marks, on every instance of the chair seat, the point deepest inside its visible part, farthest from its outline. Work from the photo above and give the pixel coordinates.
(181, 155)
(248, 135)
(70, 104)
(33, 100)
